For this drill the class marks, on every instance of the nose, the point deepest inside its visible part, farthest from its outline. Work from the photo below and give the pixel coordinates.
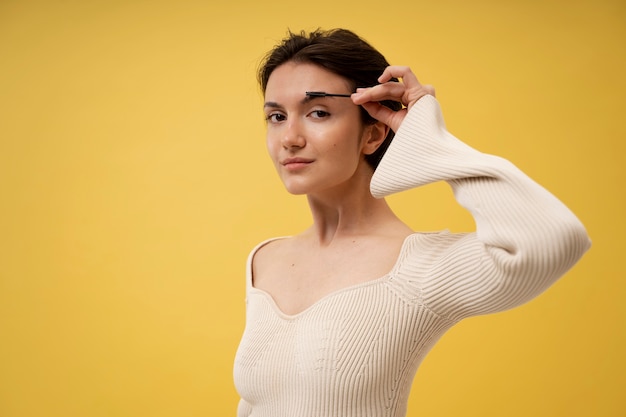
(293, 136)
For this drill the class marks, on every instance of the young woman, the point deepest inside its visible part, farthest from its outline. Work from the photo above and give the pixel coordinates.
(340, 316)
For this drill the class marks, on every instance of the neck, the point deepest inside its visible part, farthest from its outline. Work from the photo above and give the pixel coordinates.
(348, 212)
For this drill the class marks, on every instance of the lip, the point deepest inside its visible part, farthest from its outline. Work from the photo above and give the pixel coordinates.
(295, 163)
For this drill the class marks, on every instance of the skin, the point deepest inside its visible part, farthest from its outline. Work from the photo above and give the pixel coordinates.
(318, 147)
(316, 144)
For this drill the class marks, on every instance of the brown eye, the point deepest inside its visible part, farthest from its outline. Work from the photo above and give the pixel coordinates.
(319, 114)
(275, 117)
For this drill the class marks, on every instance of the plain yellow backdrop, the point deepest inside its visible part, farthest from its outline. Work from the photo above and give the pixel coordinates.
(134, 180)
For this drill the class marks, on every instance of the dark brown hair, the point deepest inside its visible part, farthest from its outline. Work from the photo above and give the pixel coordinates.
(341, 52)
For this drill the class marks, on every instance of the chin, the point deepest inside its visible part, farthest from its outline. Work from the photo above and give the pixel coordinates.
(296, 186)
(295, 190)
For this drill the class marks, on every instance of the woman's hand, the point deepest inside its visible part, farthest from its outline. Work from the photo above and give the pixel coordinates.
(407, 92)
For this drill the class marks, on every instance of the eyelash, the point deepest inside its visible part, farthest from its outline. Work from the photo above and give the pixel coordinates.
(320, 114)
(270, 117)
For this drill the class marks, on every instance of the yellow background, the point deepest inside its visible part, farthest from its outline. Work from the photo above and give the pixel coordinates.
(134, 180)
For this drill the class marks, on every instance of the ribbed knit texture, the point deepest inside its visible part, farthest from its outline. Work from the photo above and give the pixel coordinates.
(355, 352)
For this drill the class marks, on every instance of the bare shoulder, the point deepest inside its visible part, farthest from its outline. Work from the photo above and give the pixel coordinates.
(266, 255)
(298, 271)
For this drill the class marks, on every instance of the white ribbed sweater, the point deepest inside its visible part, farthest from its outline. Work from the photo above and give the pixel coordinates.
(355, 352)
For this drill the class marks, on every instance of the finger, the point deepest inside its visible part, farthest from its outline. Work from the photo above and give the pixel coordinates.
(384, 114)
(399, 71)
(414, 94)
(388, 91)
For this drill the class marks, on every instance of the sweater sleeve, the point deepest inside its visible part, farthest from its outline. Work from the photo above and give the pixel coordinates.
(243, 408)
(525, 238)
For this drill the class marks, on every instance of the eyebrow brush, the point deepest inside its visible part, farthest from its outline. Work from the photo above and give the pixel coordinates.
(324, 94)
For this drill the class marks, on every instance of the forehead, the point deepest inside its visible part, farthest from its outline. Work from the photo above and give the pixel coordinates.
(298, 78)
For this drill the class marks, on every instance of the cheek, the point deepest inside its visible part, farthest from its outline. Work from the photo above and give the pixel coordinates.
(349, 144)
(271, 145)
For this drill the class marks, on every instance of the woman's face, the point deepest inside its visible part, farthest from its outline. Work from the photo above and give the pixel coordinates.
(316, 143)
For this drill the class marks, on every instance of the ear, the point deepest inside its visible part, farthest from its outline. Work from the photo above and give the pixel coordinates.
(374, 136)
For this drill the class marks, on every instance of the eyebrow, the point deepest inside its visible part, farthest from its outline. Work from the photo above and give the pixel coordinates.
(309, 95)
